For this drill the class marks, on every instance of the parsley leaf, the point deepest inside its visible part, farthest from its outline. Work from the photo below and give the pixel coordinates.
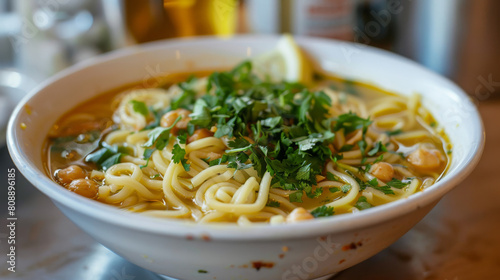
(394, 132)
(273, 204)
(201, 114)
(334, 189)
(398, 184)
(385, 189)
(159, 136)
(323, 211)
(346, 148)
(182, 137)
(350, 122)
(330, 176)
(112, 160)
(362, 146)
(296, 196)
(179, 156)
(140, 107)
(345, 188)
(362, 203)
(378, 147)
(106, 156)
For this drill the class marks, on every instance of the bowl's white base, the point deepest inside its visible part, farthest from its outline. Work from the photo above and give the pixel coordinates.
(326, 277)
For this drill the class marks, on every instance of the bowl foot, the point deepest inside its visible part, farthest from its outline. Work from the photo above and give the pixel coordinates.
(166, 277)
(326, 277)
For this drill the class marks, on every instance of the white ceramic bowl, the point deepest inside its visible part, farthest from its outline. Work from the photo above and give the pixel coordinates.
(297, 251)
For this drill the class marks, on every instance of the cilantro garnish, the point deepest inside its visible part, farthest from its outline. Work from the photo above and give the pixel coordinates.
(394, 132)
(385, 189)
(345, 188)
(179, 155)
(140, 107)
(378, 147)
(362, 203)
(106, 156)
(398, 184)
(296, 196)
(272, 203)
(332, 177)
(334, 189)
(323, 211)
(280, 128)
(351, 122)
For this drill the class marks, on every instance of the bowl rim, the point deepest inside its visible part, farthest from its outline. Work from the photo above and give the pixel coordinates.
(172, 227)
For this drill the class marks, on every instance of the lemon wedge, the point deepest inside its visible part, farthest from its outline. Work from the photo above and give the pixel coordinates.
(286, 62)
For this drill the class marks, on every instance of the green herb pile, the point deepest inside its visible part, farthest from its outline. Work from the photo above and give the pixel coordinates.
(288, 125)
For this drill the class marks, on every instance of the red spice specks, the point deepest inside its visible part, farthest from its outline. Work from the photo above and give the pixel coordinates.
(348, 247)
(359, 243)
(259, 264)
(341, 261)
(206, 237)
(189, 237)
(281, 256)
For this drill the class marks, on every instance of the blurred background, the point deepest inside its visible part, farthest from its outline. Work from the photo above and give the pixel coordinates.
(459, 39)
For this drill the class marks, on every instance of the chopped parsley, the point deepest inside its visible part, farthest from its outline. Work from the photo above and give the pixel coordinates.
(398, 184)
(345, 188)
(296, 196)
(394, 132)
(323, 211)
(179, 155)
(140, 107)
(272, 203)
(351, 122)
(334, 189)
(107, 155)
(378, 147)
(331, 177)
(280, 128)
(362, 203)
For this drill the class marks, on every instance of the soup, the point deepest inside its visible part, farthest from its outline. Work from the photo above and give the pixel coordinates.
(232, 147)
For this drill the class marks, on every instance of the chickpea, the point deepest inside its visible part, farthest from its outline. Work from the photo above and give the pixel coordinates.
(426, 159)
(84, 187)
(383, 171)
(199, 134)
(299, 214)
(169, 118)
(70, 173)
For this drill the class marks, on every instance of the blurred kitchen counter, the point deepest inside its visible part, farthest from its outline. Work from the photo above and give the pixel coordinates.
(458, 240)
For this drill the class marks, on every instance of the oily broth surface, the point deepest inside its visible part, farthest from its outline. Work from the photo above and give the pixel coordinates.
(102, 107)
